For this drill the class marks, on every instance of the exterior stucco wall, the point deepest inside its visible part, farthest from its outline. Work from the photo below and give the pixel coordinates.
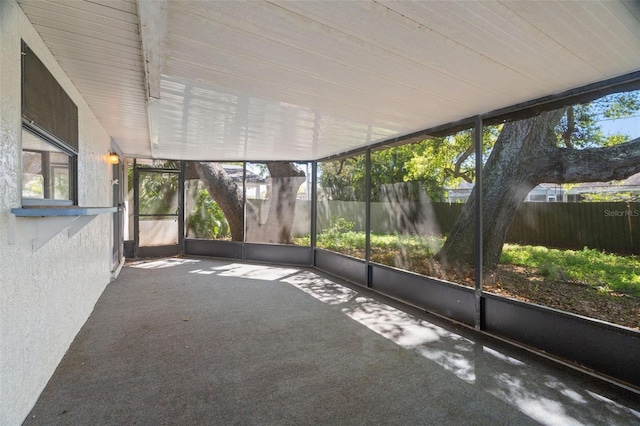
(45, 295)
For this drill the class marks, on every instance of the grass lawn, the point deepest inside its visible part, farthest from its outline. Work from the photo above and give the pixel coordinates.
(605, 272)
(586, 282)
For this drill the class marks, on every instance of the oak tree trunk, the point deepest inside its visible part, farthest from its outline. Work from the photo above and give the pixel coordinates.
(509, 175)
(277, 228)
(224, 191)
(526, 154)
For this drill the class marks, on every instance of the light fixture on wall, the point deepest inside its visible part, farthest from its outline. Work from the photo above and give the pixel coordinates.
(113, 158)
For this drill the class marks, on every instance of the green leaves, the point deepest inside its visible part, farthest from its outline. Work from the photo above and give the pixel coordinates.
(621, 105)
(207, 220)
(158, 193)
(436, 163)
(582, 127)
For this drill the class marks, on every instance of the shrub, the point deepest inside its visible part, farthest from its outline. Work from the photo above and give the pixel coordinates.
(207, 220)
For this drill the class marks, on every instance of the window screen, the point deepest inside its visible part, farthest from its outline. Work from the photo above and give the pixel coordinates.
(45, 103)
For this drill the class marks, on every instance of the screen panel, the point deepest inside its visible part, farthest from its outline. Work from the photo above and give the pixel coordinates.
(44, 101)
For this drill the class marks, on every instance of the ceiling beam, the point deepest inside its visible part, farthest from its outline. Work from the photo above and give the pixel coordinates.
(153, 28)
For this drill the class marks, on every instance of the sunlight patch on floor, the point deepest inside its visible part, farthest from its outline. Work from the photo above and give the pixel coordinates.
(322, 289)
(161, 263)
(503, 357)
(432, 342)
(254, 272)
(614, 406)
(202, 272)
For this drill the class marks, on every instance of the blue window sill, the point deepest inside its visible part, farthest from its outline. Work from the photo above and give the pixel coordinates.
(46, 211)
(36, 225)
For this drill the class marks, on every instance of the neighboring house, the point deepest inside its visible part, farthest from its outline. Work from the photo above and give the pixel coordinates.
(551, 192)
(459, 194)
(256, 184)
(630, 185)
(547, 193)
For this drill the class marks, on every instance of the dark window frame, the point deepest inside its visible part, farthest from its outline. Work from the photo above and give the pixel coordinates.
(47, 166)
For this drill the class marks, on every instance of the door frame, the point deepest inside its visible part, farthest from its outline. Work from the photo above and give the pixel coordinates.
(117, 183)
(163, 250)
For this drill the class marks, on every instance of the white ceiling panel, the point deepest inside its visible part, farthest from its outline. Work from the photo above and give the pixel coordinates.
(262, 128)
(301, 80)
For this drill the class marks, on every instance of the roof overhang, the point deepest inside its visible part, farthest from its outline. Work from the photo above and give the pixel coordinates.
(306, 80)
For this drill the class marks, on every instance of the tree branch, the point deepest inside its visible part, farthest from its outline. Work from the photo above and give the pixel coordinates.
(571, 127)
(283, 169)
(470, 150)
(466, 176)
(223, 190)
(455, 172)
(593, 164)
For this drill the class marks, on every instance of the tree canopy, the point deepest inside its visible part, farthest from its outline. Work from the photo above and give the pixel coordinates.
(442, 163)
(437, 163)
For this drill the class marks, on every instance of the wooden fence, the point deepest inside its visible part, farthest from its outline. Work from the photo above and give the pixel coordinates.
(613, 227)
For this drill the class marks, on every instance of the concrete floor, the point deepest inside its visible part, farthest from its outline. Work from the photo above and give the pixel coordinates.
(207, 342)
